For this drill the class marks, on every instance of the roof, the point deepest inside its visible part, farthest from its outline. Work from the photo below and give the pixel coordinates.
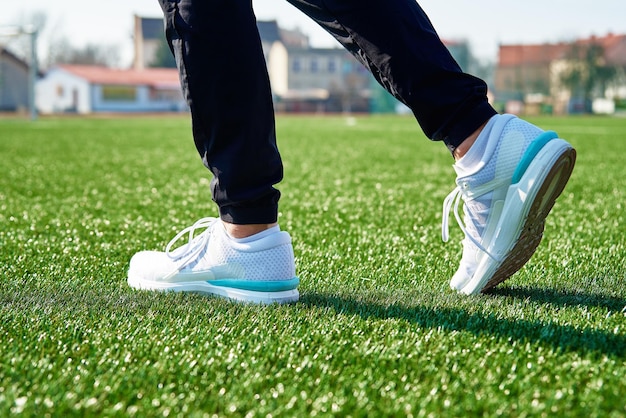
(268, 31)
(515, 55)
(615, 48)
(294, 38)
(9, 55)
(155, 77)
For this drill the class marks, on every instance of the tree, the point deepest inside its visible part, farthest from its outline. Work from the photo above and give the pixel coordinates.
(61, 51)
(588, 74)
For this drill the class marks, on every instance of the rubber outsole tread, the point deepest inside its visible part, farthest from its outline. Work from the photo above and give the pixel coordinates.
(532, 232)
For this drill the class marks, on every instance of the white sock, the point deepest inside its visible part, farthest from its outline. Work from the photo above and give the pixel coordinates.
(479, 153)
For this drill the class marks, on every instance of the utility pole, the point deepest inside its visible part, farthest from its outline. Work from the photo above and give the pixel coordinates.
(34, 68)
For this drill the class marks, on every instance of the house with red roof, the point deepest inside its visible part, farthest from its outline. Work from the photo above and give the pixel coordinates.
(91, 89)
(530, 74)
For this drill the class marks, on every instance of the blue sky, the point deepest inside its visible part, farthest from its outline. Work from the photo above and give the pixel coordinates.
(484, 23)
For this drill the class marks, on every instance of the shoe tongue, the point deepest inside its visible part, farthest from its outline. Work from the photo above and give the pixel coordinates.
(462, 170)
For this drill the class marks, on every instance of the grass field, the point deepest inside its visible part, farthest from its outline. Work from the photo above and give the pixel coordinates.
(377, 331)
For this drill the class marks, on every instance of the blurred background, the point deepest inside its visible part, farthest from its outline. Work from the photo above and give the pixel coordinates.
(537, 57)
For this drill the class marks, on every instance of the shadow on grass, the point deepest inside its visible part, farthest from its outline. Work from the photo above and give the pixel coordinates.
(562, 298)
(561, 337)
(568, 338)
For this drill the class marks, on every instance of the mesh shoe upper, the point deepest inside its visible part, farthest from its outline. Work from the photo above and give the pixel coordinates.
(213, 255)
(484, 190)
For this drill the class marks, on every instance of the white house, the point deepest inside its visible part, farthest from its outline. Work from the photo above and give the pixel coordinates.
(87, 89)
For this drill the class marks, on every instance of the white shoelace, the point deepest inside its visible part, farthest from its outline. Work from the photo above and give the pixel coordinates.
(454, 198)
(188, 252)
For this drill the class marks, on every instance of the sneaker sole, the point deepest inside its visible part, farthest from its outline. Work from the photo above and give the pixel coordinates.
(530, 200)
(239, 295)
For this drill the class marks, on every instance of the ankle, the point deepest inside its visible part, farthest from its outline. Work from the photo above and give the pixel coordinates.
(244, 231)
(467, 143)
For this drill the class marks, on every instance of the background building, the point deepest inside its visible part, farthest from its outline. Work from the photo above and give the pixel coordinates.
(303, 78)
(14, 79)
(147, 36)
(86, 89)
(565, 77)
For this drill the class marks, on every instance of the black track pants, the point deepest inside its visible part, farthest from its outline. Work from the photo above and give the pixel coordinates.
(225, 81)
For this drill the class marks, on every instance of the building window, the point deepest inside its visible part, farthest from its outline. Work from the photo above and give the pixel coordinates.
(163, 95)
(332, 66)
(296, 65)
(314, 65)
(60, 90)
(119, 93)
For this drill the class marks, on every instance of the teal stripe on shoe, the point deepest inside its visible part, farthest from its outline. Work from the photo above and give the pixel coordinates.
(531, 152)
(257, 285)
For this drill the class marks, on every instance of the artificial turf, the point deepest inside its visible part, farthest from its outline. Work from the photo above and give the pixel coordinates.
(377, 331)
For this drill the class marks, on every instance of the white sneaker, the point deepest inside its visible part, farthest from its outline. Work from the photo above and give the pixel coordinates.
(506, 201)
(259, 269)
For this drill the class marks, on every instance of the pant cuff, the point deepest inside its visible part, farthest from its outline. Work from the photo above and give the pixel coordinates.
(466, 124)
(247, 216)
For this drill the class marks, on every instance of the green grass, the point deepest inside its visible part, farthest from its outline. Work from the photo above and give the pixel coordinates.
(377, 332)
